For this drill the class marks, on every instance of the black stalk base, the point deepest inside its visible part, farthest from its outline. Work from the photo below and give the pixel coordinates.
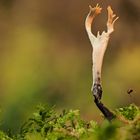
(106, 112)
(97, 93)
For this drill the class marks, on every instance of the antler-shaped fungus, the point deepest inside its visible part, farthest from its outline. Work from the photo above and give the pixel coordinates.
(99, 45)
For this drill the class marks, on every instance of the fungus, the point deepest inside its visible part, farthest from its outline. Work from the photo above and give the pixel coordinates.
(99, 44)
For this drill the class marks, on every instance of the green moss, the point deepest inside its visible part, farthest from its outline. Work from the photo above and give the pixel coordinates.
(47, 124)
(129, 112)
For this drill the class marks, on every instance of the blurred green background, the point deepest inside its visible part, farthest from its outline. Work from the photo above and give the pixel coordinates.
(45, 57)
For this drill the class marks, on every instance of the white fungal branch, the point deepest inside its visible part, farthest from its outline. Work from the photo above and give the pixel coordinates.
(99, 45)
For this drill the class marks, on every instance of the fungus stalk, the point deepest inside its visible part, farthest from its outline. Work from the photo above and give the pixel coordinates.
(99, 45)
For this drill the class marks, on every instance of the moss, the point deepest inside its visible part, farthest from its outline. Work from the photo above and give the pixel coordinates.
(129, 112)
(46, 124)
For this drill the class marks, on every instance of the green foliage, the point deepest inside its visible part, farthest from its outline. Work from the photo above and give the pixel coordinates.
(4, 136)
(130, 112)
(107, 131)
(46, 124)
